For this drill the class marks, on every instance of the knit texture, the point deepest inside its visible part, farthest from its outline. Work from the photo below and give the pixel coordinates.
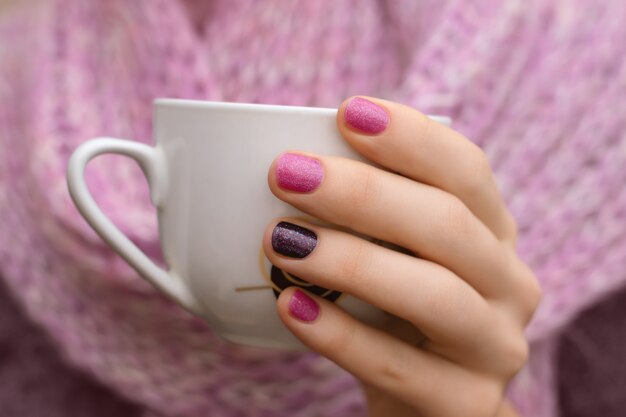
(34, 381)
(539, 85)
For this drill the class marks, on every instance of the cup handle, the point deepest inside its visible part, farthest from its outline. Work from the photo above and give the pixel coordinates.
(153, 165)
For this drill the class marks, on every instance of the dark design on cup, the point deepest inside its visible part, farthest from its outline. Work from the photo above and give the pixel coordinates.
(283, 280)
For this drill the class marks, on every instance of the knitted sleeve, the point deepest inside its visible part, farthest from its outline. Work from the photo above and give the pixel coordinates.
(540, 85)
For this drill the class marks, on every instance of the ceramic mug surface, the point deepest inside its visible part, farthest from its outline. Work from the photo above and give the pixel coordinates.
(208, 181)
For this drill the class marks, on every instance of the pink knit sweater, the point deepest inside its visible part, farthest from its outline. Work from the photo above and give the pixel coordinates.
(540, 85)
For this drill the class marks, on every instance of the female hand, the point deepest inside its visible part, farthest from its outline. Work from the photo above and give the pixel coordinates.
(459, 306)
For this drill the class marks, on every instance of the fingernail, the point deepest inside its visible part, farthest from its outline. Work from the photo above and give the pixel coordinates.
(292, 240)
(365, 116)
(303, 307)
(298, 172)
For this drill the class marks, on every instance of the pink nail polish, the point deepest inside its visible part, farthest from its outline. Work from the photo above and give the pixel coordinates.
(303, 307)
(298, 173)
(365, 116)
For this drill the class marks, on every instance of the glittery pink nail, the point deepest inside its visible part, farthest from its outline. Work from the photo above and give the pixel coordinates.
(303, 307)
(365, 116)
(298, 173)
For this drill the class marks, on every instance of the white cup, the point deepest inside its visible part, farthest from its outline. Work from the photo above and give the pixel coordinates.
(208, 180)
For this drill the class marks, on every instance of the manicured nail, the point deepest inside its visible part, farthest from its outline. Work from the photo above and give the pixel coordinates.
(298, 173)
(365, 116)
(303, 307)
(292, 240)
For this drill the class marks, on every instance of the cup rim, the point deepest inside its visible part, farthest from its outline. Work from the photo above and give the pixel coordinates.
(179, 102)
(164, 102)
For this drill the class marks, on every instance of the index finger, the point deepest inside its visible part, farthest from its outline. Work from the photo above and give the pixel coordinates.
(406, 141)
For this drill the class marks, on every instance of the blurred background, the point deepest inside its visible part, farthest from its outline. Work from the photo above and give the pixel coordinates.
(540, 85)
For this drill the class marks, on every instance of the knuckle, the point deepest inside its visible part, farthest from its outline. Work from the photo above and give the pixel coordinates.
(354, 268)
(342, 340)
(513, 352)
(457, 217)
(395, 369)
(532, 295)
(392, 371)
(517, 354)
(362, 190)
(528, 291)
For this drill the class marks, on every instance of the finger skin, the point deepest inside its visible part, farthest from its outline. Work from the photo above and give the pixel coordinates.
(425, 220)
(427, 151)
(427, 382)
(436, 197)
(507, 410)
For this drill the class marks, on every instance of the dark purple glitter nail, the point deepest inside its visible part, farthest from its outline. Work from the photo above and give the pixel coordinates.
(292, 240)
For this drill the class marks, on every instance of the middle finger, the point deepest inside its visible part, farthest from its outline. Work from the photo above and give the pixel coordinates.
(421, 218)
